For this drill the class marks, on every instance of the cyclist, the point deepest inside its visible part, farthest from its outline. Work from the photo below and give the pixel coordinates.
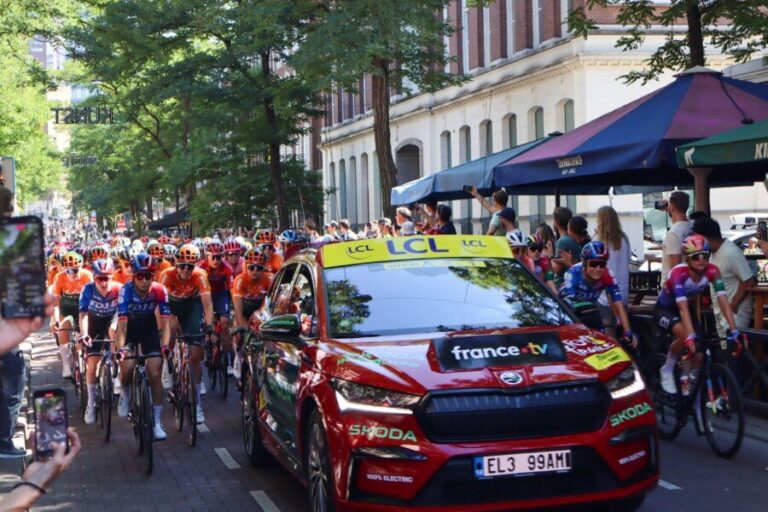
(137, 326)
(66, 289)
(233, 251)
(220, 277)
(585, 281)
(189, 295)
(98, 252)
(157, 252)
(98, 319)
(672, 313)
(519, 246)
(123, 274)
(54, 267)
(267, 245)
(542, 267)
(170, 253)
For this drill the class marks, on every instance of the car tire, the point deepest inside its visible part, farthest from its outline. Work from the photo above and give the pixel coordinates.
(317, 466)
(257, 454)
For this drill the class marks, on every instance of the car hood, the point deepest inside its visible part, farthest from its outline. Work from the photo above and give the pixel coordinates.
(474, 359)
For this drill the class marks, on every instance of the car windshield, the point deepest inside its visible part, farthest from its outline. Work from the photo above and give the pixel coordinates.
(408, 297)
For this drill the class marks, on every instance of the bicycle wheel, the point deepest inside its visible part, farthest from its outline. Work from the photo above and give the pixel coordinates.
(178, 399)
(223, 376)
(147, 424)
(135, 413)
(106, 400)
(212, 365)
(665, 405)
(723, 417)
(191, 407)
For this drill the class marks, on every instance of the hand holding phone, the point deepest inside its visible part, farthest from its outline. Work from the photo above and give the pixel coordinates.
(52, 421)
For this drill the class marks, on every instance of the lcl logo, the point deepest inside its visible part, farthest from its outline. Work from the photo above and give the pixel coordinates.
(359, 252)
(474, 246)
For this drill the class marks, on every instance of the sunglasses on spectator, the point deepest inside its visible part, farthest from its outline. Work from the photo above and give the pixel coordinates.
(256, 267)
(143, 276)
(596, 264)
(103, 279)
(700, 256)
(185, 266)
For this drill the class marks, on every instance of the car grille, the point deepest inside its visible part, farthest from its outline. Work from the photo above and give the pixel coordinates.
(455, 485)
(486, 415)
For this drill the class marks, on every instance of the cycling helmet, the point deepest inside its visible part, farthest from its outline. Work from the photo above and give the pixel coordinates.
(214, 247)
(72, 260)
(99, 253)
(163, 240)
(103, 267)
(155, 250)
(247, 246)
(694, 244)
(232, 246)
(267, 237)
(135, 251)
(199, 244)
(188, 253)
(170, 251)
(123, 255)
(253, 256)
(534, 240)
(594, 251)
(143, 262)
(114, 253)
(60, 251)
(137, 244)
(516, 238)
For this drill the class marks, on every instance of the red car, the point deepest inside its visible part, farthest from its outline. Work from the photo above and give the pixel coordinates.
(438, 373)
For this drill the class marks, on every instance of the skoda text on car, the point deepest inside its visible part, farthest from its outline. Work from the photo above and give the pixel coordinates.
(416, 372)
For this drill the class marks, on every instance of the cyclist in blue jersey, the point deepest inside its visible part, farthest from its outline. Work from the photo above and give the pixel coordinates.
(585, 281)
(98, 319)
(137, 325)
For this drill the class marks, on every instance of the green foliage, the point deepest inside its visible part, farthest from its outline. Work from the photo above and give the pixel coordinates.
(734, 27)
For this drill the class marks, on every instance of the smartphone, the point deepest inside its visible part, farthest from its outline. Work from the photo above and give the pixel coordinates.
(467, 188)
(661, 205)
(51, 415)
(22, 267)
(762, 231)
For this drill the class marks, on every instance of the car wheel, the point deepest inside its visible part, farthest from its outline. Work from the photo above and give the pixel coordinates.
(254, 448)
(318, 467)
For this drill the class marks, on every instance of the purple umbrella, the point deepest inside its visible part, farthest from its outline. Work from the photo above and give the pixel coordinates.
(635, 145)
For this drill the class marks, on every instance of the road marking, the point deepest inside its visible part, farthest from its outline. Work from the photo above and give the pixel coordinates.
(226, 458)
(266, 504)
(203, 428)
(669, 486)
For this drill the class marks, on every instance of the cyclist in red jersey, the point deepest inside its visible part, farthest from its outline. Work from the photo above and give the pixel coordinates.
(542, 267)
(233, 252)
(220, 277)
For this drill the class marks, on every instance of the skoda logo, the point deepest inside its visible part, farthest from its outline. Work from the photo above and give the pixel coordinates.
(511, 378)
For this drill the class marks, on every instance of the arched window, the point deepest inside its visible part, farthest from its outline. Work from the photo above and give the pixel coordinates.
(352, 191)
(445, 149)
(332, 197)
(465, 144)
(365, 210)
(509, 130)
(486, 138)
(568, 121)
(342, 189)
(536, 123)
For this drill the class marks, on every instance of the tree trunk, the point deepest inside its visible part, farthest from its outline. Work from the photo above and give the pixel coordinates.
(381, 133)
(178, 199)
(275, 169)
(189, 192)
(695, 36)
(135, 217)
(150, 214)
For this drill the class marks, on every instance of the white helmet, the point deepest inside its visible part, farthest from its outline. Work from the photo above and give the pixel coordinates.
(517, 239)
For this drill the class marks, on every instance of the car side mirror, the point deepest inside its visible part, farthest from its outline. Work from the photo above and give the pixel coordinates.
(283, 327)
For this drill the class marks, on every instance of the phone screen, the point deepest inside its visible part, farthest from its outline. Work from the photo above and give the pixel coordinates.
(51, 415)
(22, 270)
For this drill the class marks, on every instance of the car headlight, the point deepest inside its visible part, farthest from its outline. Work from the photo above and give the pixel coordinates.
(626, 383)
(358, 397)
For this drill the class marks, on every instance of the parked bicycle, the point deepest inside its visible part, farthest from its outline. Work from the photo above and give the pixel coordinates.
(182, 394)
(140, 415)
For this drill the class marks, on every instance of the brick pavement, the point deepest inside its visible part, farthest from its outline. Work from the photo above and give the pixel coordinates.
(110, 476)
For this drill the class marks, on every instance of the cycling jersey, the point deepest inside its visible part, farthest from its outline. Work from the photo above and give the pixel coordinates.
(179, 289)
(67, 289)
(98, 305)
(163, 266)
(543, 268)
(220, 278)
(52, 273)
(575, 287)
(139, 312)
(252, 291)
(122, 276)
(680, 286)
(275, 262)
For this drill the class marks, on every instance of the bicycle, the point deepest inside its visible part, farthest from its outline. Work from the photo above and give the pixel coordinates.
(182, 394)
(217, 361)
(106, 371)
(719, 415)
(140, 409)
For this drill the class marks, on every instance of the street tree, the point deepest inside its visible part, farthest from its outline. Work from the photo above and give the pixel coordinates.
(397, 43)
(734, 27)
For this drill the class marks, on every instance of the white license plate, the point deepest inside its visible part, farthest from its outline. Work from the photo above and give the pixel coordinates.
(558, 461)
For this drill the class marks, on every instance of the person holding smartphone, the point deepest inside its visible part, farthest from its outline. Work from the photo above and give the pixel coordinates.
(66, 289)
(98, 320)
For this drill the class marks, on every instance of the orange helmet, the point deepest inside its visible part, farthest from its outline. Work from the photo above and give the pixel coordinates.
(73, 260)
(265, 236)
(254, 257)
(98, 253)
(164, 239)
(188, 253)
(156, 250)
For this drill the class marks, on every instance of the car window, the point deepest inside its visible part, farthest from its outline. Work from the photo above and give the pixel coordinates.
(281, 294)
(423, 296)
(304, 295)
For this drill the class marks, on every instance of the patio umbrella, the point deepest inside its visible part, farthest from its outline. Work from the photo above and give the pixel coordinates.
(635, 145)
(448, 184)
(745, 146)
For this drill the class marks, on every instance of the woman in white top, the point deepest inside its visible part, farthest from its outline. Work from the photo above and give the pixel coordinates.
(610, 233)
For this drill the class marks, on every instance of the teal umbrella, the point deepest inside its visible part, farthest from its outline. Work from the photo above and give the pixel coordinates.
(740, 148)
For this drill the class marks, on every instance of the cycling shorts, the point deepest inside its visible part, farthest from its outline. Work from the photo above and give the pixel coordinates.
(221, 303)
(69, 306)
(666, 319)
(250, 306)
(143, 332)
(98, 328)
(190, 315)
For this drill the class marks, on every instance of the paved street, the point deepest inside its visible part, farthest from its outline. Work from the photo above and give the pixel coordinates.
(215, 475)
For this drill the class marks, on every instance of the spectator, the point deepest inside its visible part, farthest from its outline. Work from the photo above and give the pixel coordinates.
(500, 199)
(672, 246)
(548, 239)
(508, 219)
(345, 233)
(562, 215)
(311, 229)
(444, 221)
(429, 215)
(386, 230)
(610, 233)
(407, 229)
(735, 272)
(6, 198)
(565, 243)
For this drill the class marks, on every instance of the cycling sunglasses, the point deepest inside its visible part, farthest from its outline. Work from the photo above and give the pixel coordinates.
(103, 279)
(256, 267)
(215, 256)
(72, 271)
(185, 266)
(700, 256)
(597, 264)
(232, 254)
(142, 276)
(535, 247)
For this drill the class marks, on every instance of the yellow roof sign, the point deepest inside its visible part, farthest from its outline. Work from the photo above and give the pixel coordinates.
(343, 254)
